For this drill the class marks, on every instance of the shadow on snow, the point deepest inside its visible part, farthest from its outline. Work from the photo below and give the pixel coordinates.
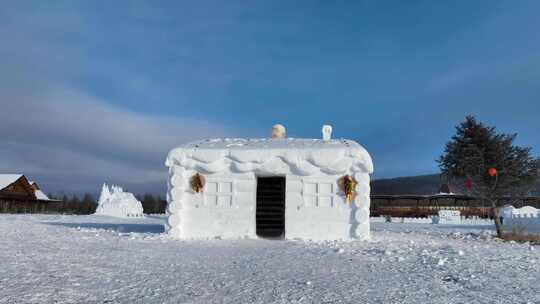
(118, 227)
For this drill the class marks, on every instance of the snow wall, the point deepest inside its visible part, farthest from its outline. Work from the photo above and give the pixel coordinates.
(315, 206)
(526, 217)
(114, 201)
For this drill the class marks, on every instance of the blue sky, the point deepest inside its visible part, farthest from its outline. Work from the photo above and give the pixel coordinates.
(101, 90)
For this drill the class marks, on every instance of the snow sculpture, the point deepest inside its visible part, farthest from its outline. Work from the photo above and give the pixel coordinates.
(105, 194)
(279, 131)
(285, 188)
(448, 217)
(114, 201)
(526, 218)
(327, 132)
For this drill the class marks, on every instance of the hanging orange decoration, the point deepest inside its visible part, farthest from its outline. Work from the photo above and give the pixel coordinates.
(197, 183)
(348, 184)
(492, 172)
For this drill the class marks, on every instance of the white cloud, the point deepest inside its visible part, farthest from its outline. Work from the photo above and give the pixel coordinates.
(67, 135)
(63, 136)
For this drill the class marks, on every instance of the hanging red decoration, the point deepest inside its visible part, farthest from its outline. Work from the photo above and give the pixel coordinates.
(348, 185)
(492, 172)
(197, 183)
(468, 184)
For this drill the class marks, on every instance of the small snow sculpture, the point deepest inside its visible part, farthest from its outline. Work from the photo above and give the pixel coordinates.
(327, 132)
(448, 217)
(114, 201)
(279, 131)
(525, 218)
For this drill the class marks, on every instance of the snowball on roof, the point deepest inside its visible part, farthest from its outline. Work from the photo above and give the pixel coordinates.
(302, 156)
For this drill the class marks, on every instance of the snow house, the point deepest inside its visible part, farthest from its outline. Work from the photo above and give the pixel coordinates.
(269, 188)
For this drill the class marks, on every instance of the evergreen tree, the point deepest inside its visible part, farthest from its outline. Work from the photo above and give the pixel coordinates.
(162, 205)
(89, 204)
(74, 204)
(489, 166)
(65, 204)
(148, 203)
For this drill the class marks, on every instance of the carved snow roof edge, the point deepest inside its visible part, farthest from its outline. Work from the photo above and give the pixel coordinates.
(305, 155)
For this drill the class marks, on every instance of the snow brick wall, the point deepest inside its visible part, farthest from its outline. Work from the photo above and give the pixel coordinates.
(234, 169)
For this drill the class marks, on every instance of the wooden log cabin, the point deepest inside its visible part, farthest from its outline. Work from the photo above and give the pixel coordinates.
(18, 195)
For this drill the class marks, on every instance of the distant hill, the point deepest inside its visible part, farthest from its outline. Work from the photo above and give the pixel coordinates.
(415, 185)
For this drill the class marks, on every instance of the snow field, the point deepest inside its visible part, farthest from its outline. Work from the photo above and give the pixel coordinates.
(100, 259)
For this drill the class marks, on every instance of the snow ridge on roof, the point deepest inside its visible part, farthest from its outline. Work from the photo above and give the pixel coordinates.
(302, 156)
(41, 196)
(8, 179)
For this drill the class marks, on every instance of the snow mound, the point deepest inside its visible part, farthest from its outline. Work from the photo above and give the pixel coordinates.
(114, 201)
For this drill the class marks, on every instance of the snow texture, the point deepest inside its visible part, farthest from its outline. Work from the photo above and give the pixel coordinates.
(315, 207)
(303, 156)
(8, 179)
(115, 202)
(448, 217)
(526, 218)
(98, 259)
(41, 196)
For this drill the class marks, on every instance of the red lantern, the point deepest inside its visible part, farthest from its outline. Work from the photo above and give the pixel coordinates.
(468, 184)
(492, 172)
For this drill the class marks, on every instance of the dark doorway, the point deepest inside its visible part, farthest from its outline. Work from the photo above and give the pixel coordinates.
(270, 211)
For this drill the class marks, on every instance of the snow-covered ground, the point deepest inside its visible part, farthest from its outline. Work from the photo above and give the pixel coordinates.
(98, 259)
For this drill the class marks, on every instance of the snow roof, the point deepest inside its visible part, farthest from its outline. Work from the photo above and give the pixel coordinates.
(41, 196)
(8, 179)
(303, 156)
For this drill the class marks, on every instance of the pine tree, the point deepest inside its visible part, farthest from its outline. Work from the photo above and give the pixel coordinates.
(74, 204)
(489, 166)
(65, 204)
(89, 204)
(148, 203)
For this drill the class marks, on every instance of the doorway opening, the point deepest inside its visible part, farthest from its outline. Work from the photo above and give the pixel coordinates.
(270, 212)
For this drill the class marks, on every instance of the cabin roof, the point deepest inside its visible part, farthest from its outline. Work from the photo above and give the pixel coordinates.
(269, 143)
(305, 156)
(41, 196)
(8, 179)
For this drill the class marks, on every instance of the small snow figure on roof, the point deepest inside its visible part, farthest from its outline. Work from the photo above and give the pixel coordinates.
(278, 131)
(327, 132)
